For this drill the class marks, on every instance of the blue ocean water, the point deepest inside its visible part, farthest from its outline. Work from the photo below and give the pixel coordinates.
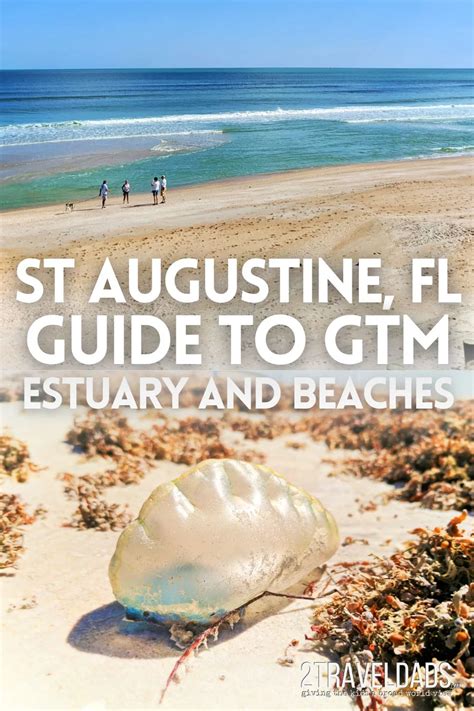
(63, 132)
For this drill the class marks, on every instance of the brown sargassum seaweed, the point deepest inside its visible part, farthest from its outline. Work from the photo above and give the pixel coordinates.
(429, 455)
(415, 606)
(15, 459)
(184, 441)
(15, 463)
(93, 511)
(108, 434)
(13, 517)
(192, 440)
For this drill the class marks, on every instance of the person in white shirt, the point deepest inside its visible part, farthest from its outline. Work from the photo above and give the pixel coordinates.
(163, 188)
(155, 189)
(104, 192)
(126, 192)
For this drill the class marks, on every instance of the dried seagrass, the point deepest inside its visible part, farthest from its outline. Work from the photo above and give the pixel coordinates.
(268, 427)
(186, 441)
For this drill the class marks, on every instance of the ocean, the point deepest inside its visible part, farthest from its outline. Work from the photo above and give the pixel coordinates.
(62, 132)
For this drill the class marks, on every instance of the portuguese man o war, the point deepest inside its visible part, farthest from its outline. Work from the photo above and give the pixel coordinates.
(219, 535)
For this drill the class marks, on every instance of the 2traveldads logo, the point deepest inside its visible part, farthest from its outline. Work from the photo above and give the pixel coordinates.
(354, 679)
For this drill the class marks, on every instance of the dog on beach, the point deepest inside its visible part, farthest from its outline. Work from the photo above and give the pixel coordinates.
(69, 206)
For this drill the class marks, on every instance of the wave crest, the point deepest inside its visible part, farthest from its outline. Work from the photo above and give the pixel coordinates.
(189, 124)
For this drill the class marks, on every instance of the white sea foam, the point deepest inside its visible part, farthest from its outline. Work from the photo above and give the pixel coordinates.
(106, 137)
(188, 124)
(421, 117)
(455, 149)
(166, 149)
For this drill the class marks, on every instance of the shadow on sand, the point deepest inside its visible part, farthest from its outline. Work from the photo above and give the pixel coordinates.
(106, 631)
(142, 204)
(98, 207)
(78, 209)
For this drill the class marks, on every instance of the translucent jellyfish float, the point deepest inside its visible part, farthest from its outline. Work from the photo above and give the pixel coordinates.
(221, 534)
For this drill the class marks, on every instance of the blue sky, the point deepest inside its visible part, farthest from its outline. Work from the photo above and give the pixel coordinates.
(236, 33)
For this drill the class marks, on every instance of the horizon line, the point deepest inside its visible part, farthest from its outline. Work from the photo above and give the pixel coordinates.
(227, 68)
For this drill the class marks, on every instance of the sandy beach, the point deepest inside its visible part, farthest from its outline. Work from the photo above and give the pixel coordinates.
(61, 625)
(395, 211)
(62, 628)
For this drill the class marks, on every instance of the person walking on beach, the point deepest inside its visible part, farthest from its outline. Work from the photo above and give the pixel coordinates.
(163, 184)
(126, 192)
(104, 192)
(155, 189)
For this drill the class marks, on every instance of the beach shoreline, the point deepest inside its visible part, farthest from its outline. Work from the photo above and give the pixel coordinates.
(239, 181)
(393, 211)
(215, 125)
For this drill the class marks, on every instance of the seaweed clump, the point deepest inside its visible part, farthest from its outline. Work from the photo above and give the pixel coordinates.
(390, 430)
(13, 517)
(107, 433)
(437, 472)
(15, 459)
(429, 455)
(194, 439)
(186, 441)
(127, 471)
(416, 606)
(268, 427)
(93, 511)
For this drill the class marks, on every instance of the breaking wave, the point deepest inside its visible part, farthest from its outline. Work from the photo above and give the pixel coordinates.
(188, 124)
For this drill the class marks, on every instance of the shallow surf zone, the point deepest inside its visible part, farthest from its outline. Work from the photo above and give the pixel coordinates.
(22, 161)
(31, 150)
(180, 126)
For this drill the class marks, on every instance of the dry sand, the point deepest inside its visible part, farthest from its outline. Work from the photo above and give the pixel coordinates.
(396, 211)
(73, 650)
